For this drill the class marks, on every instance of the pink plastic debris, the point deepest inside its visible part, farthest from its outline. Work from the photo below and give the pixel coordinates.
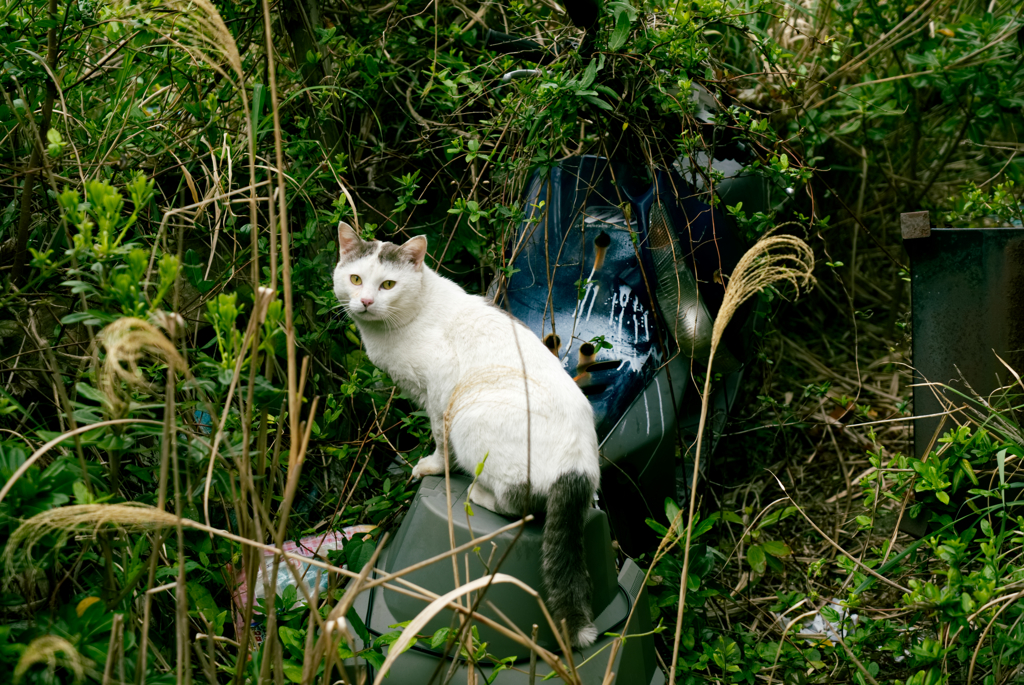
(311, 546)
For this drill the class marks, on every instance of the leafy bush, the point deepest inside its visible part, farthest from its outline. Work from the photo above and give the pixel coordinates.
(170, 337)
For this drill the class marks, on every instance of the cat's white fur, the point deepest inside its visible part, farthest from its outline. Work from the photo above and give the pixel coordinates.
(463, 360)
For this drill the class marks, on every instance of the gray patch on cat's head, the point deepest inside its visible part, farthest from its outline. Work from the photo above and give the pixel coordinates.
(393, 254)
(363, 248)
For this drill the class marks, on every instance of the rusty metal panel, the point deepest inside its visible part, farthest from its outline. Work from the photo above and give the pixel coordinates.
(967, 294)
(915, 225)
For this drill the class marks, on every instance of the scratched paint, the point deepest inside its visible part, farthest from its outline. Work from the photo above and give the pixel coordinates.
(647, 413)
(661, 427)
(597, 289)
(623, 304)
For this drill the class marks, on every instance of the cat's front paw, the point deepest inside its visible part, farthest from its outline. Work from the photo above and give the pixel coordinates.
(429, 466)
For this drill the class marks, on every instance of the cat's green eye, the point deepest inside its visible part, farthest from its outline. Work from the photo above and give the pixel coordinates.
(387, 285)
(355, 280)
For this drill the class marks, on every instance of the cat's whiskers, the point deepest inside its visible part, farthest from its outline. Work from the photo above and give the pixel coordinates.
(390, 318)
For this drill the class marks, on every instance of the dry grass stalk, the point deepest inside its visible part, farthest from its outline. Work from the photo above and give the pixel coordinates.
(449, 601)
(773, 259)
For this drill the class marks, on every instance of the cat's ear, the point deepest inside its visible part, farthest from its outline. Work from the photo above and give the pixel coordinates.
(348, 239)
(416, 249)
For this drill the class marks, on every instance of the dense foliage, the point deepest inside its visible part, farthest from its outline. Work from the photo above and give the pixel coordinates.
(171, 176)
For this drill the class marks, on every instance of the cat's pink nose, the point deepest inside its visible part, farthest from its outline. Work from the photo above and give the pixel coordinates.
(367, 301)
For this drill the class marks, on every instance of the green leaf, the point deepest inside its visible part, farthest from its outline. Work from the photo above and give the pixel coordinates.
(657, 527)
(601, 88)
(849, 127)
(755, 557)
(777, 548)
(358, 554)
(621, 32)
(671, 510)
(87, 391)
(259, 93)
(440, 637)
(202, 600)
(943, 496)
(776, 516)
(387, 638)
(82, 495)
(374, 656)
(732, 517)
(358, 625)
(292, 671)
(968, 471)
(194, 272)
(370, 64)
(704, 526)
(598, 102)
(89, 318)
(831, 615)
(622, 6)
(589, 74)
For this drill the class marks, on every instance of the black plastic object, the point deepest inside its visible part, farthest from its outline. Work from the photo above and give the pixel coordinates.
(967, 290)
(583, 13)
(516, 46)
(424, 534)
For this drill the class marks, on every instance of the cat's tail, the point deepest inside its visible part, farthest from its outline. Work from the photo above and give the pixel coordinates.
(564, 566)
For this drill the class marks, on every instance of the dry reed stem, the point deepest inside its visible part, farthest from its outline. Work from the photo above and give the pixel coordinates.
(442, 602)
(773, 259)
(247, 339)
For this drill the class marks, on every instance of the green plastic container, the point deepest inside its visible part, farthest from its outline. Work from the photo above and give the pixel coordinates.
(424, 534)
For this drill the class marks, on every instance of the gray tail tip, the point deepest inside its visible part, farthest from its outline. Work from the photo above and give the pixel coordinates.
(585, 636)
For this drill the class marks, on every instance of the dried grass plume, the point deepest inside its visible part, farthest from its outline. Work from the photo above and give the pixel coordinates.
(45, 650)
(199, 30)
(87, 518)
(127, 341)
(773, 259)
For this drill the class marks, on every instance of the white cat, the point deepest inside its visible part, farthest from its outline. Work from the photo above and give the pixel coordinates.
(465, 360)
